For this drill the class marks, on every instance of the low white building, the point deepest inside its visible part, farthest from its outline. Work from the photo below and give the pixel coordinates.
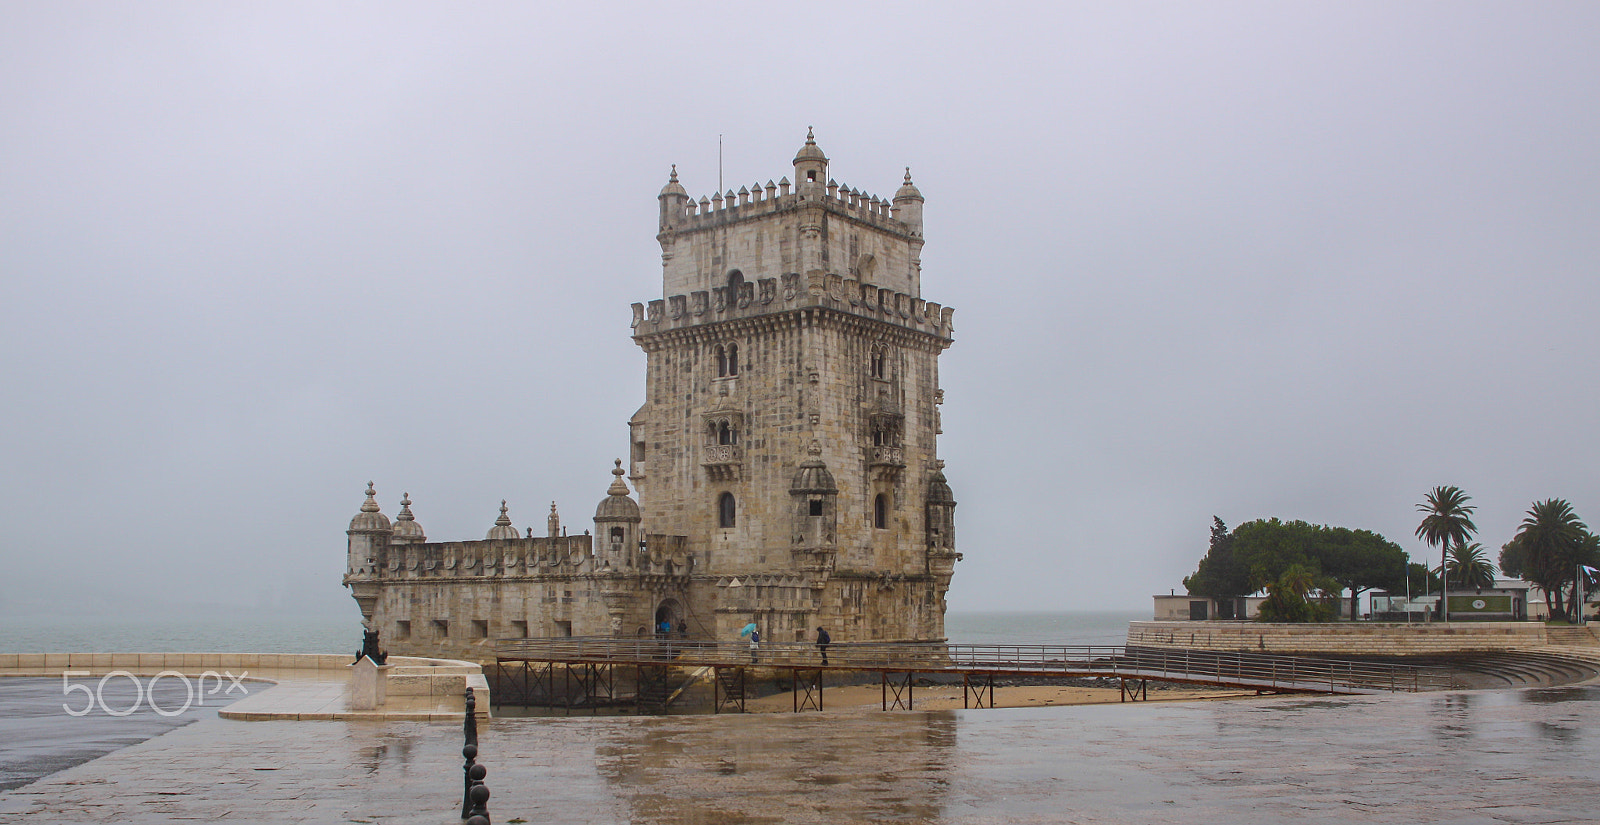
(1175, 608)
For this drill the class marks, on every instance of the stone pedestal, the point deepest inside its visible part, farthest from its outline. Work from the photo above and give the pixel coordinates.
(368, 684)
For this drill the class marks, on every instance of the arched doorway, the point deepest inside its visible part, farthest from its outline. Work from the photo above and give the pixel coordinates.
(670, 619)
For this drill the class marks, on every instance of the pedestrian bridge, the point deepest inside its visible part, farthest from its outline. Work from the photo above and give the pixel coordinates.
(584, 671)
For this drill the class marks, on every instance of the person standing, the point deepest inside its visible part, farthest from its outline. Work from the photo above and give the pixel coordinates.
(755, 645)
(823, 640)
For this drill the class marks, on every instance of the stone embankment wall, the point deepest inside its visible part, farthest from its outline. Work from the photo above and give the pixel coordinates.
(1340, 638)
(408, 676)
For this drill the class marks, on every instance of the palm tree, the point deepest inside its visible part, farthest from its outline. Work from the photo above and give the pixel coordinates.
(1551, 536)
(1469, 566)
(1447, 520)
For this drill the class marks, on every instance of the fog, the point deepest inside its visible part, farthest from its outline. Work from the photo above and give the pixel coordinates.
(1233, 259)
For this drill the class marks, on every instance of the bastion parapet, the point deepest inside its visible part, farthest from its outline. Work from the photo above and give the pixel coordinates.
(774, 295)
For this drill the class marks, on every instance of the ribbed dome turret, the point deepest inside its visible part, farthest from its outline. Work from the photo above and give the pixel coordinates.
(908, 190)
(617, 506)
(810, 151)
(939, 490)
(502, 528)
(813, 477)
(673, 187)
(405, 524)
(370, 519)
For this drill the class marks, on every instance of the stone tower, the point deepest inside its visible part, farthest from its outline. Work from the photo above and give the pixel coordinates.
(784, 461)
(790, 423)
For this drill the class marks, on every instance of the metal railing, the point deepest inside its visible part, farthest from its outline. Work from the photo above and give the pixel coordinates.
(1245, 670)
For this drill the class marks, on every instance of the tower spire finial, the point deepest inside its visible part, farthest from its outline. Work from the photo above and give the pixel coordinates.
(811, 137)
(673, 178)
(617, 488)
(371, 504)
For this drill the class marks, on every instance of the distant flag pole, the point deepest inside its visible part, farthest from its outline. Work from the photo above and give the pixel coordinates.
(719, 161)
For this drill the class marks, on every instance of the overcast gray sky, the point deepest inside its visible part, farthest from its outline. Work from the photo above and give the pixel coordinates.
(1262, 259)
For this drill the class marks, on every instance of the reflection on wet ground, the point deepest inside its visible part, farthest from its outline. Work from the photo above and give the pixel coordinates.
(47, 725)
(1477, 757)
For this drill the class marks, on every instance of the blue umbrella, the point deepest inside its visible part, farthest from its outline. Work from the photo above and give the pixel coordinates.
(748, 629)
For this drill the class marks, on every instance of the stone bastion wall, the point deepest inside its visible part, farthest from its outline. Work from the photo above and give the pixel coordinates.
(440, 681)
(1340, 638)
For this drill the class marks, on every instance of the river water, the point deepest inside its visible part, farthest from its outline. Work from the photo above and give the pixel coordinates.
(222, 633)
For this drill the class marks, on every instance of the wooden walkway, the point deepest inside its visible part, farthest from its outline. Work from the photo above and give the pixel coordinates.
(586, 668)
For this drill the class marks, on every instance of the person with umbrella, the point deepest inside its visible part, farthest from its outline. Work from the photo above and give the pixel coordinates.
(750, 631)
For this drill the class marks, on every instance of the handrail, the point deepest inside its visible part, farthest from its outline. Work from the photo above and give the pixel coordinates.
(1259, 670)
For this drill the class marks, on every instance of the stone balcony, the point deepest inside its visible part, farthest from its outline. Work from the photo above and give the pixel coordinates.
(880, 456)
(886, 463)
(723, 462)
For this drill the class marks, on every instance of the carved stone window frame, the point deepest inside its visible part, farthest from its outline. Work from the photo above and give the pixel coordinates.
(714, 424)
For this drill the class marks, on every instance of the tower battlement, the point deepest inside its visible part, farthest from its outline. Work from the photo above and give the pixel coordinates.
(770, 295)
(756, 201)
(814, 227)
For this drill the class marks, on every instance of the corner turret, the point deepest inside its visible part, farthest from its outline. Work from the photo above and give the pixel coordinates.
(815, 498)
(674, 201)
(908, 204)
(406, 528)
(369, 537)
(616, 524)
(810, 166)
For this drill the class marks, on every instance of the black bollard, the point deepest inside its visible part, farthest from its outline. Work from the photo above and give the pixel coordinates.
(469, 728)
(471, 771)
(479, 796)
(470, 753)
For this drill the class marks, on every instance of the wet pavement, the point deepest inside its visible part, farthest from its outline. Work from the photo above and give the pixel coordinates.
(45, 729)
(1525, 756)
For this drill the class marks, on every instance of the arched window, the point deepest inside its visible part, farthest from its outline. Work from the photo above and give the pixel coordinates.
(880, 511)
(877, 367)
(725, 510)
(727, 360)
(727, 434)
(616, 537)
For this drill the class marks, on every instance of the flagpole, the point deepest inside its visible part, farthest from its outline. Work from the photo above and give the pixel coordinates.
(1444, 581)
(1579, 593)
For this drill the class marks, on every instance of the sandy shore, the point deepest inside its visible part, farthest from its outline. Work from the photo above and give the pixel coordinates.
(948, 697)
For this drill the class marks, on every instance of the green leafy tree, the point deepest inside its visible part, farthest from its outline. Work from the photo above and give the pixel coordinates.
(1288, 598)
(1550, 539)
(1266, 548)
(1338, 557)
(1514, 558)
(1220, 575)
(1359, 560)
(1468, 566)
